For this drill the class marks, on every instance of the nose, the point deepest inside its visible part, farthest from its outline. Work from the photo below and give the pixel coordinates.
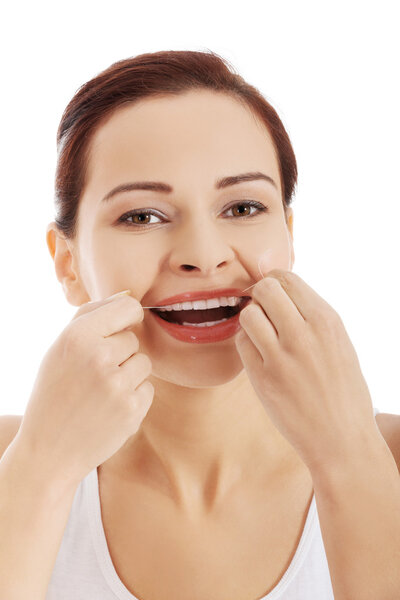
(202, 250)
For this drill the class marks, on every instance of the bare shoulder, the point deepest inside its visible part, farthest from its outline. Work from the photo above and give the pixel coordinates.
(9, 426)
(389, 426)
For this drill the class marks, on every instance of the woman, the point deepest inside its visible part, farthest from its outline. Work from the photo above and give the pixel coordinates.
(174, 181)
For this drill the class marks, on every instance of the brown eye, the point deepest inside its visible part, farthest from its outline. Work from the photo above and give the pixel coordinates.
(141, 218)
(138, 218)
(242, 209)
(241, 212)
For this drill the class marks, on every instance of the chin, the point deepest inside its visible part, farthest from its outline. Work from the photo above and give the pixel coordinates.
(196, 373)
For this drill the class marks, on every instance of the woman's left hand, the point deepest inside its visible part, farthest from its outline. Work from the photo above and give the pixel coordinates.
(305, 370)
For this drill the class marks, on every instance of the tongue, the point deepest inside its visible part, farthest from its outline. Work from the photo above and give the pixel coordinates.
(199, 316)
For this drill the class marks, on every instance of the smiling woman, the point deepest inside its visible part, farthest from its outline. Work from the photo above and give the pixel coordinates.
(174, 177)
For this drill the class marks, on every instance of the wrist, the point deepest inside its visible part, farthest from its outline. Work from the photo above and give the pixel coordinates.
(29, 471)
(368, 456)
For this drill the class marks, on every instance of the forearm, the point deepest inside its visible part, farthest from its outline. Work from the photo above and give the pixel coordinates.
(358, 505)
(33, 516)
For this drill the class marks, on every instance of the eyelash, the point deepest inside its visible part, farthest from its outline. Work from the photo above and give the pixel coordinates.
(124, 218)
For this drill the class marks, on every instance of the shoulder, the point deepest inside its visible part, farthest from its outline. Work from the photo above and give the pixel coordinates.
(9, 426)
(389, 426)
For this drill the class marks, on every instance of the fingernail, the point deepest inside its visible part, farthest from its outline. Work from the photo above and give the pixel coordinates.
(125, 292)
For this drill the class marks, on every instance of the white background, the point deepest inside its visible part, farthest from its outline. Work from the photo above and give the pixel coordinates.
(330, 70)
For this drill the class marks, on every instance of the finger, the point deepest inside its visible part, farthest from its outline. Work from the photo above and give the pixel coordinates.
(137, 368)
(121, 346)
(310, 305)
(144, 395)
(259, 329)
(248, 353)
(278, 306)
(111, 317)
(87, 307)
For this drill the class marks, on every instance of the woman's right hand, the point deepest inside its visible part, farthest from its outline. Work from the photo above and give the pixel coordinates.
(91, 393)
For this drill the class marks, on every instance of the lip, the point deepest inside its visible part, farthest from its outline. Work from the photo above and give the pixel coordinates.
(201, 295)
(201, 335)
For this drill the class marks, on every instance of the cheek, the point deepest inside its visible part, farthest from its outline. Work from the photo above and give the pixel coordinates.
(118, 263)
(275, 258)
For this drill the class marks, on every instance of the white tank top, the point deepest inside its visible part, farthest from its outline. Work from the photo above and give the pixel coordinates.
(84, 569)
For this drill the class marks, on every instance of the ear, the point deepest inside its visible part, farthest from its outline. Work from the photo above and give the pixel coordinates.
(62, 251)
(289, 222)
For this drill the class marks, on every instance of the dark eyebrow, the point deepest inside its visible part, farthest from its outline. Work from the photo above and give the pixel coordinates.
(157, 186)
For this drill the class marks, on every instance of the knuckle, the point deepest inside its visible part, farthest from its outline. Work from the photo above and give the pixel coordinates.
(73, 336)
(135, 346)
(269, 282)
(288, 278)
(322, 312)
(99, 361)
(145, 363)
(78, 313)
(133, 406)
(134, 339)
(336, 325)
(144, 395)
(329, 320)
(280, 276)
(115, 382)
(264, 286)
(126, 299)
(331, 317)
(83, 309)
(298, 338)
(131, 301)
(150, 389)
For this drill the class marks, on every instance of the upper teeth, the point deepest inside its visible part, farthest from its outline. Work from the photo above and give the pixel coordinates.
(203, 304)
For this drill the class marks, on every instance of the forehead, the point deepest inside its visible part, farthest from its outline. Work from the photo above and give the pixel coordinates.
(189, 136)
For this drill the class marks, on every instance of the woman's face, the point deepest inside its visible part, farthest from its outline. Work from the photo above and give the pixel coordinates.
(196, 237)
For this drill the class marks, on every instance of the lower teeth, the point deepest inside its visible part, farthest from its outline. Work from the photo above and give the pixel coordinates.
(206, 324)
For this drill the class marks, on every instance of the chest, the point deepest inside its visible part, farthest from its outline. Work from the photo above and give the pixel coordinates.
(240, 552)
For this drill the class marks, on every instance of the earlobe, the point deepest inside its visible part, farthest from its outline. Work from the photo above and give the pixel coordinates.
(289, 222)
(61, 254)
(64, 263)
(51, 239)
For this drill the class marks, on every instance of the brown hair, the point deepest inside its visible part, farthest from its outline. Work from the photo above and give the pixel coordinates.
(152, 74)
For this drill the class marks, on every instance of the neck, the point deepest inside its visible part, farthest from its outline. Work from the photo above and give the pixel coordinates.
(197, 444)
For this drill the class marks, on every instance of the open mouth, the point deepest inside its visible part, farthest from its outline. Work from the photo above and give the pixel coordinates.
(202, 317)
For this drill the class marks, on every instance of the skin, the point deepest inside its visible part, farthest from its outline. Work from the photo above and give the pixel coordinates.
(206, 432)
